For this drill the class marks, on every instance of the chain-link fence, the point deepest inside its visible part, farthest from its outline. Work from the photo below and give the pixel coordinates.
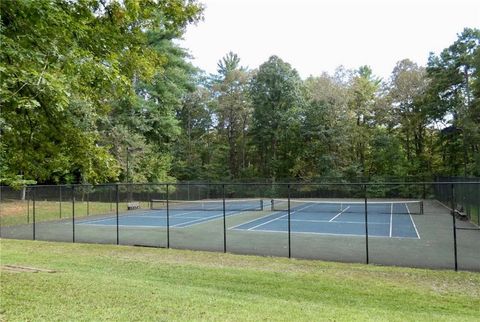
(415, 224)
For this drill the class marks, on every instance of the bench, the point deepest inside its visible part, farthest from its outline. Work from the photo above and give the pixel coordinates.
(133, 205)
(460, 214)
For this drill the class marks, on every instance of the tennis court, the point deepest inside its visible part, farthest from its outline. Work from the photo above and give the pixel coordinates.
(178, 214)
(385, 219)
(407, 224)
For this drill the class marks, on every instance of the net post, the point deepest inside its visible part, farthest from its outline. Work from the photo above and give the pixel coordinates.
(224, 221)
(454, 226)
(73, 213)
(117, 200)
(367, 260)
(289, 227)
(422, 209)
(33, 211)
(168, 216)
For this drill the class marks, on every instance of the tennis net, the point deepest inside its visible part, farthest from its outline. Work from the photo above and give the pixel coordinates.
(208, 205)
(375, 207)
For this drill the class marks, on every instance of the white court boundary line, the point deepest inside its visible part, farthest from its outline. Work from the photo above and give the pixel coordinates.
(267, 222)
(278, 218)
(275, 213)
(250, 221)
(414, 226)
(188, 223)
(341, 212)
(181, 214)
(229, 214)
(129, 226)
(328, 234)
(324, 221)
(336, 222)
(138, 214)
(214, 217)
(179, 225)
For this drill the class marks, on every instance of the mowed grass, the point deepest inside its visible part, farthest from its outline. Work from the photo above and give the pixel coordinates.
(122, 283)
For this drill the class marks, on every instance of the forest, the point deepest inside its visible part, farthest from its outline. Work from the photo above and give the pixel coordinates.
(96, 91)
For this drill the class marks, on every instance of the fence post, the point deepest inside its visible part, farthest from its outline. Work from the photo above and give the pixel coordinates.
(73, 213)
(28, 207)
(454, 226)
(477, 187)
(367, 259)
(168, 218)
(289, 227)
(110, 199)
(88, 200)
(117, 200)
(224, 221)
(60, 201)
(33, 212)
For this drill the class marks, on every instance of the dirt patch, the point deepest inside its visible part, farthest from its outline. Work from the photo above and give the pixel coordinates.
(25, 269)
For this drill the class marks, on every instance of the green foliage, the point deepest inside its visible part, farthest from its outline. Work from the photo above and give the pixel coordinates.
(362, 102)
(85, 81)
(276, 93)
(325, 130)
(453, 96)
(386, 155)
(67, 67)
(233, 111)
(409, 114)
(349, 124)
(193, 151)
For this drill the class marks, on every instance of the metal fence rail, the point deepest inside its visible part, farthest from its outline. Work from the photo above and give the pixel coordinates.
(416, 224)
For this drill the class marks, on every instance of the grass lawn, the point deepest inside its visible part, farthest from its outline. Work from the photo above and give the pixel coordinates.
(121, 283)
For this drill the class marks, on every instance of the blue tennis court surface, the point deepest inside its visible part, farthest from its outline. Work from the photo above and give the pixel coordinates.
(158, 218)
(392, 221)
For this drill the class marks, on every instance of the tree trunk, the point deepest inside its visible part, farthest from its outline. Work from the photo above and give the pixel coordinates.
(23, 193)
